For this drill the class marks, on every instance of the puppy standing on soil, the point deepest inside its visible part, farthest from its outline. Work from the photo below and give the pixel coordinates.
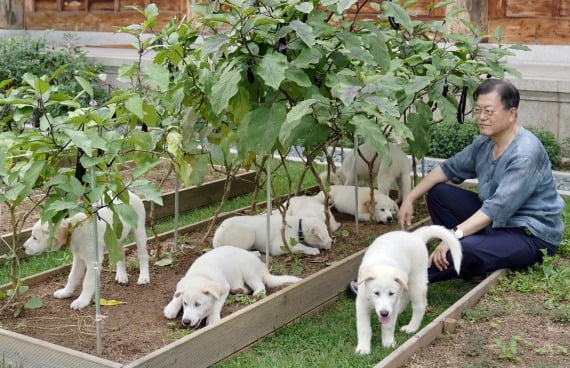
(77, 232)
(342, 198)
(202, 292)
(394, 271)
(249, 232)
(397, 169)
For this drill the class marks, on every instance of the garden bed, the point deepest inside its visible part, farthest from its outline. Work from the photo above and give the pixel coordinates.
(137, 331)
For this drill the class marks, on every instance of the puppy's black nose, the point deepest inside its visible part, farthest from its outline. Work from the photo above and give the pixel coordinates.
(384, 313)
(389, 219)
(186, 322)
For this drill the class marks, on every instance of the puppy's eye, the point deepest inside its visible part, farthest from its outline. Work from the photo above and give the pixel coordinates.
(391, 293)
(197, 304)
(377, 293)
(185, 304)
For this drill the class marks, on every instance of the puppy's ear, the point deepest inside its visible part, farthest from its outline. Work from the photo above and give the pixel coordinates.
(366, 274)
(61, 234)
(214, 289)
(366, 206)
(402, 279)
(177, 294)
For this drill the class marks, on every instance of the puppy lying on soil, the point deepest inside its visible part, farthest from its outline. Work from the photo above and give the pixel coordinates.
(394, 271)
(202, 292)
(308, 234)
(342, 198)
(303, 206)
(77, 232)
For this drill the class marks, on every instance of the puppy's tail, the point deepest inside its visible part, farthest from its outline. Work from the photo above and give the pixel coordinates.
(436, 231)
(273, 281)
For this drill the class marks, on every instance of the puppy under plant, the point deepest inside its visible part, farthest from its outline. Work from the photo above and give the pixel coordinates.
(394, 271)
(343, 200)
(77, 233)
(308, 234)
(202, 292)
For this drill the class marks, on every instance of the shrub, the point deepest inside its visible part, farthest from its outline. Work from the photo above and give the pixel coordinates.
(550, 144)
(20, 55)
(448, 138)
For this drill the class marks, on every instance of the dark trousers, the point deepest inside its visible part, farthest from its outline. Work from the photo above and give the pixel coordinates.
(487, 250)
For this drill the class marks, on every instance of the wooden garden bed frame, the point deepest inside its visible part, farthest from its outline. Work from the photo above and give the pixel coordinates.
(213, 343)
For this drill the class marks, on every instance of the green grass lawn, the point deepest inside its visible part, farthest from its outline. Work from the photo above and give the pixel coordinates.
(328, 339)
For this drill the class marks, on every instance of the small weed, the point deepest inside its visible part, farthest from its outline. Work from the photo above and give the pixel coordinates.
(542, 365)
(509, 350)
(245, 299)
(474, 345)
(561, 350)
(481, 313)
(541, 351)
(561, 314)
(179, 333)
(132, 265)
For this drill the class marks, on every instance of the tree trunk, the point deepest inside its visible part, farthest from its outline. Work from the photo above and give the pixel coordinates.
(476, 13)
(12, 14)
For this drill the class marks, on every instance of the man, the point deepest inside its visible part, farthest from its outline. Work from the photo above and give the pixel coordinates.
(516, 212)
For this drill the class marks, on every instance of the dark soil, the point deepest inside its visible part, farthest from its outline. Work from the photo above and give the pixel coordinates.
(138, 327)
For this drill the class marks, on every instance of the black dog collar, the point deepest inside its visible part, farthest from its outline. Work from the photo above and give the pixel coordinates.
(300, 231)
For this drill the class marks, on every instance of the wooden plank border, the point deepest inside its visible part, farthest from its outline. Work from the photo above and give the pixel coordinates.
(22, 351)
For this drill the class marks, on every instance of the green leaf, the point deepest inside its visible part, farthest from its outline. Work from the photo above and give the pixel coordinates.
(224, 89)
(345, 92)
(158, 76)
(298, 76)
(305, 7)
(272, 69)
(146, 190)
(369, 130)
(260, 128)
(33, 303)
(304, 32)
(112, 244)
(84, 83)
(87, 142)
(213, 43)
(301, 109)
(239, 105)
(343, 5)
(392, 9)
(135, 105)
(127, 213)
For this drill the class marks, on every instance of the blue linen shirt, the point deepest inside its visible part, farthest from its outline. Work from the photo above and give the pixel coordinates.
(517, 189)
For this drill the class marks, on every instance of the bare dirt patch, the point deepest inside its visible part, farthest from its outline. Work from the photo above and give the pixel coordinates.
(138, 327)
(507, 330)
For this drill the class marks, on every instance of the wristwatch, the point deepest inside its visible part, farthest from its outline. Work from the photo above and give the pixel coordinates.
(457, 232)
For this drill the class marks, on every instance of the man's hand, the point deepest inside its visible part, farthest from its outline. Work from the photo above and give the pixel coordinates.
(439, 257)
(405, 213)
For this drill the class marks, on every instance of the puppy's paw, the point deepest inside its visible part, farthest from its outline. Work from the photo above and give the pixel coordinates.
(170, 312)
(389, 343)
(62, 293)
(362, 349)
(143, 279)
(408, 329)
(312, 251)
(121, 278)
(79, 303)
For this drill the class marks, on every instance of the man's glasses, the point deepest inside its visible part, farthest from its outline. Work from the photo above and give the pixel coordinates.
(487, 112)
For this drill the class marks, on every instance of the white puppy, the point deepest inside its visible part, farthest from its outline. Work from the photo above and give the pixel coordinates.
(396, 169)
(309, 234)
(394, 271)
(342, 198)
(77, 232)
(309, 206)
(202, 292)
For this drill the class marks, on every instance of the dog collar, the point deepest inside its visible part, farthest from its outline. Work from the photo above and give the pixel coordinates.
(300, 231)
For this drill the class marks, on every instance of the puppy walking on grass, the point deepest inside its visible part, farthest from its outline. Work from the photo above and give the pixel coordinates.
(394, 271)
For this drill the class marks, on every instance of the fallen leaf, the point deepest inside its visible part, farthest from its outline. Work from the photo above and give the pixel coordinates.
(110, 302)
